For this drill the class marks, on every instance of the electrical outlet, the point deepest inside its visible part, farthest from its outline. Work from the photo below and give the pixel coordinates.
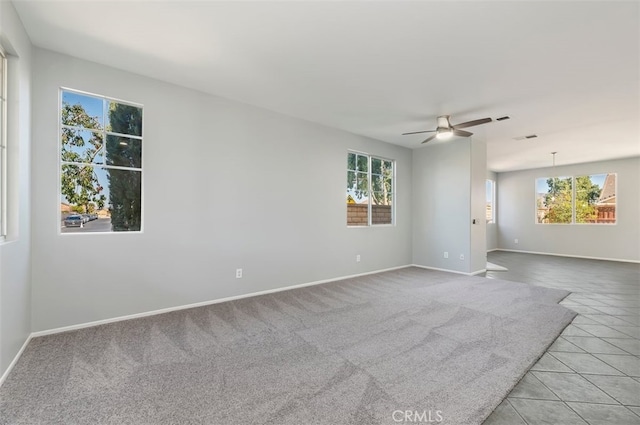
(358, 258)
(462, 257)
(446, 254)
(238, 273)
(515, 241)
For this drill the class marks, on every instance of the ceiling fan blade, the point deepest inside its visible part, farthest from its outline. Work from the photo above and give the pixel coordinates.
(429, 139)
(418, 132)
(472, 123)
(461, 133)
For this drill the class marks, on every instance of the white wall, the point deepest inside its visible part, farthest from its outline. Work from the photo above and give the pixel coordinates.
(492, 228)
(226, 185)
(516, 207)
(443, 174)
(15, 252)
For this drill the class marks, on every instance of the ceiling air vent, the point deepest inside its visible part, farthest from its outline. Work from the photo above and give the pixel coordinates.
(530, 136)
(506, 117)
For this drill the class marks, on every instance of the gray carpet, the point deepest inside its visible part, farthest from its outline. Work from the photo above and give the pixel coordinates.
(347, 352)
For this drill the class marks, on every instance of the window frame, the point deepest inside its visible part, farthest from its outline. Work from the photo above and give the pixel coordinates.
(573, 178)
(104, 133)
(3, 144)
(493, 201)
(370, 204)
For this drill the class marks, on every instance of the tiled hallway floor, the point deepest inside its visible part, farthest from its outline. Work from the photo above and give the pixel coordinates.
(591, 373)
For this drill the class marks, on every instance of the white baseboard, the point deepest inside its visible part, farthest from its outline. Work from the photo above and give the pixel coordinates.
(15, 360)
(201, 304)
(494, 249)
(449, 271)
(568, 255)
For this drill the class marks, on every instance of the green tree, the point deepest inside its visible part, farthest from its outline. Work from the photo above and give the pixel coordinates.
(125, 186)
(587, 194)
(357, 175)
(558, 200)
(80, 184)
(381, 181)
(381, 178)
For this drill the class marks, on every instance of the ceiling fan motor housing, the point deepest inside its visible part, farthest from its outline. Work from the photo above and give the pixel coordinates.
(443, 123)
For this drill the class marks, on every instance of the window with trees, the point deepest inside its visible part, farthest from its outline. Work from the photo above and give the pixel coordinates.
(490, 201)
(3, 145)
(587, 199)
(596, 199)
(370, 190)
(100, 163)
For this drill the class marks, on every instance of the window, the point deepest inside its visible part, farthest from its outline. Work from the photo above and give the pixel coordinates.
(370, 190)
(554, 200)
(100, 163)
(588, 199)
(3, 145)
(491, 201)
(596, 199)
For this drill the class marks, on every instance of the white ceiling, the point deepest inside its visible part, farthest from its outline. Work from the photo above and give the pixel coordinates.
(566, 71)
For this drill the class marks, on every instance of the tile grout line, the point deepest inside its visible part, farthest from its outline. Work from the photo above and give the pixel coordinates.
(597, 358)
(559, 398)
(518, 413)
(565, 401)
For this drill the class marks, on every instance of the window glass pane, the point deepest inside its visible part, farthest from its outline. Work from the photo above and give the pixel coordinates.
(357, 208)
(381, 209)
(124, 119)
(377, 181)
(351, 161)
(358, 190)
(124, 152)
(363, 163)
(381, 198)
(125, 199)
(107, 199)
(554, 202)
(351, 180)
(596, 199)
(84, 191)
(82, 111)
(363, 182)
(376, 166)
(383, 184)
(83, 146)
(357, 214)
(490, 197)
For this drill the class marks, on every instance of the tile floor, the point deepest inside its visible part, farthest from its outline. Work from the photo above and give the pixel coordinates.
(591, 373)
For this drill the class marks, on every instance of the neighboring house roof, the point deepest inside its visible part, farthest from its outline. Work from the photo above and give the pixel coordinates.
(608, 194)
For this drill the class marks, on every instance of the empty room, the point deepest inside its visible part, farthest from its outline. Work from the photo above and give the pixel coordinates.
(319, 212)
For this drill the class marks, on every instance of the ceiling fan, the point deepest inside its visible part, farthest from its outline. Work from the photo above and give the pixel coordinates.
(445, 129)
